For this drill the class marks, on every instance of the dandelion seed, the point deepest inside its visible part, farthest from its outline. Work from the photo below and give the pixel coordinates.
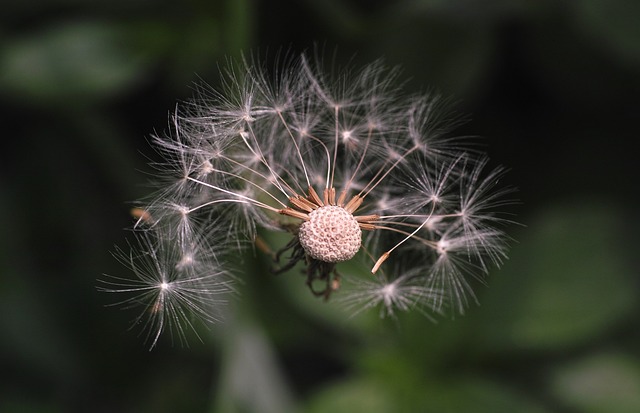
(351, 168)
(404, 293)
(170, 289)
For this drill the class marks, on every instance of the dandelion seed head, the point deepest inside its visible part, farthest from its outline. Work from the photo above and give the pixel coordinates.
(347, 135)
(443, 246)
(434, 223)
(318, 179)
(388, 292)
(383, 203)
(182, 210)
(349, 166)
(303, 132)
(332, 234)
(206, 168)
(187, 260)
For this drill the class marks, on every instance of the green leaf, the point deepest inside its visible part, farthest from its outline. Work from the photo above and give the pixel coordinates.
(468, 394)
(71, 63)
(360, 395)
(568, 281)
(603, 383)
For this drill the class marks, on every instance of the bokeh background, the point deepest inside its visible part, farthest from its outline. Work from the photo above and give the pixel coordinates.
(552, 86)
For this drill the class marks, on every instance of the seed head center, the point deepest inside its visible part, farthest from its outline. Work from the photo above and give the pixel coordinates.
(331, 234)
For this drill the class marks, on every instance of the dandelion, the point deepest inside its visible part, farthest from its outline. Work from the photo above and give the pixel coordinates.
(349, 166)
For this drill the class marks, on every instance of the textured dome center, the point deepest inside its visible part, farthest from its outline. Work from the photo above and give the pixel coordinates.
(331, 235)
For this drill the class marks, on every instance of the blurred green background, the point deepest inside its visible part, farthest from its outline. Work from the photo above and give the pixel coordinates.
(551, 85)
